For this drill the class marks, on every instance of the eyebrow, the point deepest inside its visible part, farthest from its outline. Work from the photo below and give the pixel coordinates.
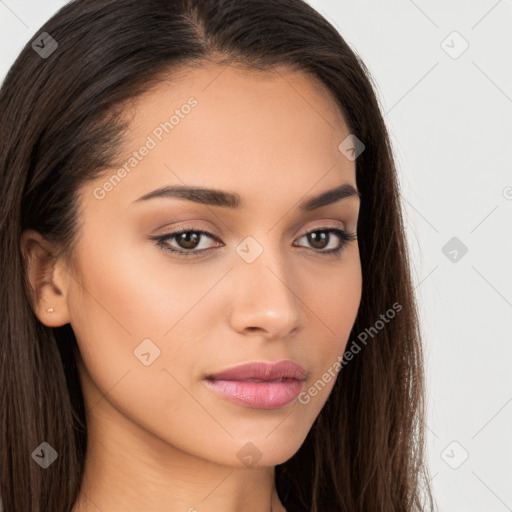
(232, 200)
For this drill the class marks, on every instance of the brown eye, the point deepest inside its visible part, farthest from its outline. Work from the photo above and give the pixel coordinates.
(318, 241)
(186, 241)
(320, 238)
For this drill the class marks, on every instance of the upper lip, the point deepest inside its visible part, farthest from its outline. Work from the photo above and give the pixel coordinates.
(262, 371)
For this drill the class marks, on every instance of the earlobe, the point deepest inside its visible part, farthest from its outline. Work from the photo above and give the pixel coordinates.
(47, 279)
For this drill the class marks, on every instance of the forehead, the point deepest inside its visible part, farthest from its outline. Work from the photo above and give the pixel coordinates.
(239, 102)
(231, 128)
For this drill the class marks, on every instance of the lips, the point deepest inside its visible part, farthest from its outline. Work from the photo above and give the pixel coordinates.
(259, 385)
(262, 372)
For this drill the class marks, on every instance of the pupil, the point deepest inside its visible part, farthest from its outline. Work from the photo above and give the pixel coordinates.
(186, 237)
(315, 238)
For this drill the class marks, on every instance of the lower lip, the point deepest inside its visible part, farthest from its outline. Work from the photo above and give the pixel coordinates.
(257, 395)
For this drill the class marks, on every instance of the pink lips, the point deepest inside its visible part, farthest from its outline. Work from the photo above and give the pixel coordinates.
(259, 385)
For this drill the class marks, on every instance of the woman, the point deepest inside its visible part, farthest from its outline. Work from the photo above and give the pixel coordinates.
(207, 301)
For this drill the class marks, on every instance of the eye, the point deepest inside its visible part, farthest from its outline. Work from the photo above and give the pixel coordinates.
(319, 238)
(188, 240)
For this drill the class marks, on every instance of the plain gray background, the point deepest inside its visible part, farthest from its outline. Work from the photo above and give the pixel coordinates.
(443, 72)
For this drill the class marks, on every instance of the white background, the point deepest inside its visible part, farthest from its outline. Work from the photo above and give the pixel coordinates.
(450, 118)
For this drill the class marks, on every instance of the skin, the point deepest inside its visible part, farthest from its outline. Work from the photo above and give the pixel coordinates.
(159, 439)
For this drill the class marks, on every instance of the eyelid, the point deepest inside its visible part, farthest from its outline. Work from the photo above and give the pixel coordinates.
(341, 233)
(326, 224)
(187, 229)
(319, 224)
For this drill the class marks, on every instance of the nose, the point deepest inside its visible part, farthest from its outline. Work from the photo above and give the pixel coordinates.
(264, 300)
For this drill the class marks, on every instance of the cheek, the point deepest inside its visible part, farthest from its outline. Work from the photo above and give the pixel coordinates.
(131, 306)
(333, 295)
(132, 287)
(120, 319)
(334, 298)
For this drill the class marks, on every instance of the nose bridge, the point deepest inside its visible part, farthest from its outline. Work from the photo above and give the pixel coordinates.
(265, 295)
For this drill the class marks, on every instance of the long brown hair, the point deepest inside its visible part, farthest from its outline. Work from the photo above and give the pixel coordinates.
(60, 126)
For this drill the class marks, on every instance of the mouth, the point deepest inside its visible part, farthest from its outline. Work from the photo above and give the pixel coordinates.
(259, 385)
(257, 394)
(263, 380)
(262, 371)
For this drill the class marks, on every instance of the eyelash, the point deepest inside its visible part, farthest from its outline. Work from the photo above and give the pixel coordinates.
(345, 237)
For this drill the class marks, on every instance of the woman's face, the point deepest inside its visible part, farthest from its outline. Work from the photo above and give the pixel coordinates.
(151, 323)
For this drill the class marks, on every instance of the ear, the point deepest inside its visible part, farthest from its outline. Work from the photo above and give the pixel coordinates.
(48, 278)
